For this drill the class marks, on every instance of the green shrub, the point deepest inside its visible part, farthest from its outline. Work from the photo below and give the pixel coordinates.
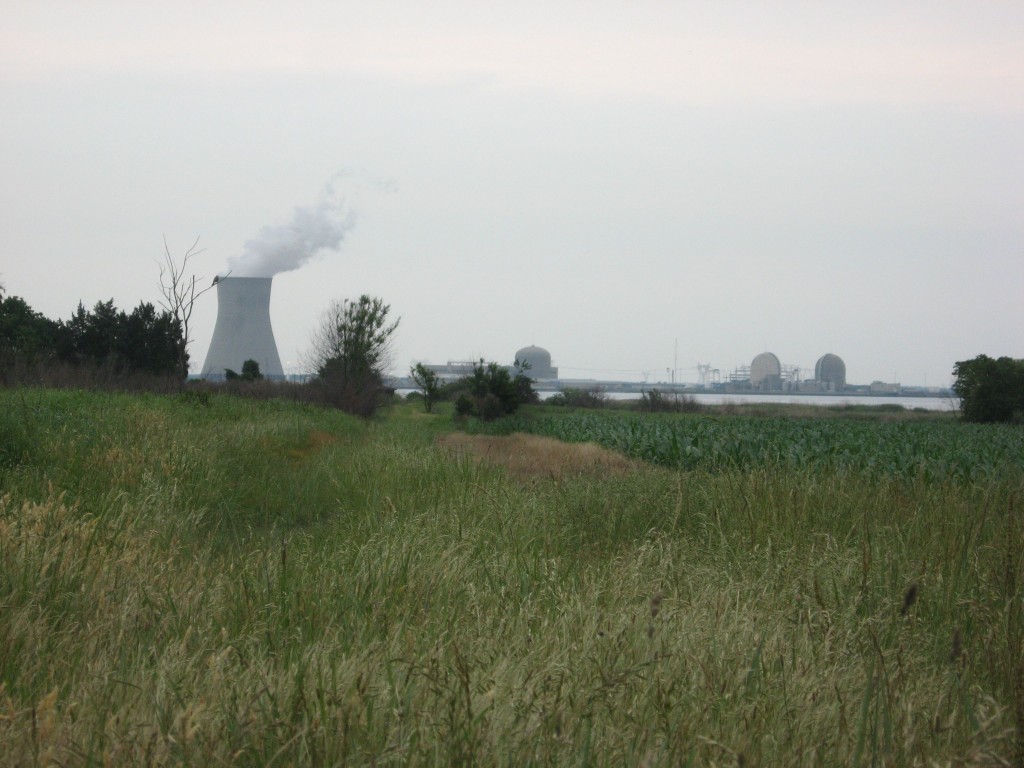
(463, 405)
(493, 391)
(251, 371)
(579, 398)
(990, 390)
(490, 407)
(657, 401)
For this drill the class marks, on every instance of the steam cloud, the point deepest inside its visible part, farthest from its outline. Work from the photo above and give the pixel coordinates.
(284, 247)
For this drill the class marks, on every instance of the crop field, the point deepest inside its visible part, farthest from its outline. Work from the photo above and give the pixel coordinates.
(935, 451)
(204, 580)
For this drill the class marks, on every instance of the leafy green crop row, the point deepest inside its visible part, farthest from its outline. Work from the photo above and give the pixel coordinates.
(933, 451)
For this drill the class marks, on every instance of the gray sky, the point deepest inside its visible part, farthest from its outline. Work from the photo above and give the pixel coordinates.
(624, 184)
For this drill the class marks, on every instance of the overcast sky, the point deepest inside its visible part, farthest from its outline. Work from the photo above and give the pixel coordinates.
(625, 184)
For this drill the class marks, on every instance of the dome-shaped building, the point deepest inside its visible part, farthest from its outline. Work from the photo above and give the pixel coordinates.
(830, 372)
(539, 360)
(766, 372)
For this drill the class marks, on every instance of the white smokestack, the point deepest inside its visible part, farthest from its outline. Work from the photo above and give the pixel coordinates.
(284, 247)
(243, 331)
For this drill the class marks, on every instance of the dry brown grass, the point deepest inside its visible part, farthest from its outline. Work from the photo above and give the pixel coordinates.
(529, 457)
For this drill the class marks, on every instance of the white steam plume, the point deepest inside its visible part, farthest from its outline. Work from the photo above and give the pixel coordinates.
(284, 247)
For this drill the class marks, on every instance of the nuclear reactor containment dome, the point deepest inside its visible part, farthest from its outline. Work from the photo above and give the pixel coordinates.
(539, 360)
(243, 330)
(830, 371)
(766, 372)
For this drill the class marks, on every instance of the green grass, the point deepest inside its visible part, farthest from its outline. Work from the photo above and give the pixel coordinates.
(251, 583)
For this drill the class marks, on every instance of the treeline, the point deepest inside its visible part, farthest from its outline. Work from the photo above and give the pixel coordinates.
(145, 341)
(147, 350)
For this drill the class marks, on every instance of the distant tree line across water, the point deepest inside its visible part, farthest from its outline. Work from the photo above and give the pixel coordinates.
(354, 345)
(146, 349)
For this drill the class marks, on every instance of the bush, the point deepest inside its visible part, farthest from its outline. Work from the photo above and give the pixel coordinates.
(990, 390)
(359, 393)
(490, 407)
(314, 392)
(657, 401)
(463, 405)
(251, 371)
(17, 371)
(492, 391)
(580, 398)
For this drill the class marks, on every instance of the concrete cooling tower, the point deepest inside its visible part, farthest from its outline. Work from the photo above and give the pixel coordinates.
(243, 329)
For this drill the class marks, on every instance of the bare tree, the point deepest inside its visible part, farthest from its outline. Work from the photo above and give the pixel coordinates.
(180, 291)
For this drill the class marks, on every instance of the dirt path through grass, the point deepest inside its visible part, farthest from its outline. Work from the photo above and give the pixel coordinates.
(529, 457)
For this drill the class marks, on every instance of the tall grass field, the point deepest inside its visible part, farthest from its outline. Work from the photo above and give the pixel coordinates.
(206, 580)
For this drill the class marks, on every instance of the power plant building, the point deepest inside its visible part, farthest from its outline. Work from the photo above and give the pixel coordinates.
(537, 358)
(243, 331)
(539, 361)
(766, 373)
(830, 373)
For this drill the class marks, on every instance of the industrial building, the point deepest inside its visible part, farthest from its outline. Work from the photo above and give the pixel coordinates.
(766, 373)
(538, 361)
(830, 373)
(243, 331)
